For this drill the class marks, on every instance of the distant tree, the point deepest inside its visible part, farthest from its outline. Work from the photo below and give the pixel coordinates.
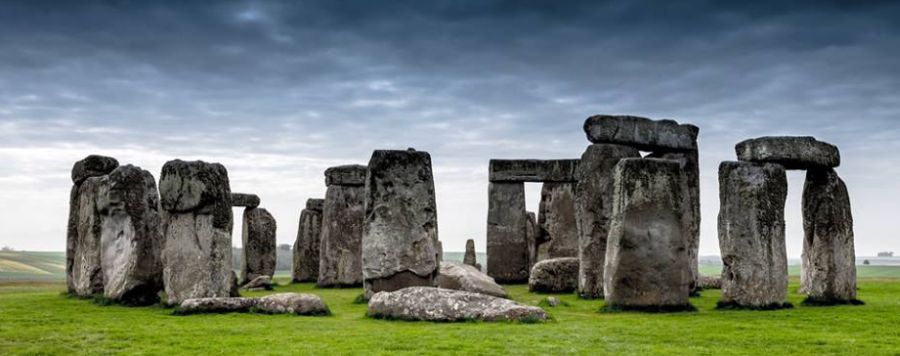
(7, 249)
(866, 262)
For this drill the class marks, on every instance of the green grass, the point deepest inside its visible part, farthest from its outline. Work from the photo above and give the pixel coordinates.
(36, 319)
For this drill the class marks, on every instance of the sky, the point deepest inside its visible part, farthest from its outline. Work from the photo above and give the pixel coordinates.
(279, 91)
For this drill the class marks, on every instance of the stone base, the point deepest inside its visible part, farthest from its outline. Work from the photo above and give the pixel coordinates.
(615, 308)
(825, 302)
(398, 281)
(735, 306)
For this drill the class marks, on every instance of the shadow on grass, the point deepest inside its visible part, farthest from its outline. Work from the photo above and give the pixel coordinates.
(735, 306)
(827, 302)
(613, 308)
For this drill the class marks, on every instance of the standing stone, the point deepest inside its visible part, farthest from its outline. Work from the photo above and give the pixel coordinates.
(87, 274)
(593, 208)
(343, 214)
(469, 257)
(507, 248)
(306, 247)
(557, 219)
(751, 235)
(400, 233)
(258, 238)
(647, 266)
(131, 238)
(84, 226)
(829, 261)
(532, 238)
(197, 224)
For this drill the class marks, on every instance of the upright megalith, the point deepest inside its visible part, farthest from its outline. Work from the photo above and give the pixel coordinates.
(751, 235)
(593, 209)
(828, 261)
(400, 233)
(556, 220)
(343, 214)
(197, 223)
(469, 257)
(641, 133)
(245, 200)
(83, 247)
(306, 247)
(532, 238)
(507, 248)
(258, 238)
(792, 152)
(647, 262)
(131, 237)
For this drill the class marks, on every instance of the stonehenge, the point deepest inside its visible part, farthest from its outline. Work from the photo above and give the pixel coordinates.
(84, 275)
(554, 275)
(789, 151)
(400, 236)
(279, 303)
(305, 267)
(642, 133)
(244, 200)
(469, 257)
(447, 305)
(459, 276)
(343, 215)
(556, 220)
(507, 248)
(258, 238)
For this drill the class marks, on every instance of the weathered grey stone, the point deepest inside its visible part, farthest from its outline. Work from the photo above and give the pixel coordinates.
(351, 174)
(751, 235)
(292, 303)
(87, 273)
(532, 170)
(556, 219)
(469, 257)
(532, 238)
(259, 283)
(92, 166)
(507, 248)
(458, 276)
(641, 133)
(439, 304)
(215, 305)
(235, 285)
(306, 247)
(197, 224)
(258, 237)
(439, 250)
(555, 275)
(553, 301)
(792, 152)
(400, 233)
(340, 249)
(593, 208)
(690, 165)
(131, 237)
(828, 261)
(245, 200)
(709, 282)
(647, 265)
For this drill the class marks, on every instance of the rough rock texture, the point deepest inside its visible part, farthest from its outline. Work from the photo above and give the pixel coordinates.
(340, 245)
(259, 283)
(245, 200)
(532, 238)
(641, 133)
(458, 276)
(708, 282)
(400, 233)
(351, 174)
(792, 152)
(87, 274)
(828, 261)
(438, 304)
(131, 237)
(197, 224)
(215, 305)
(690, 164)
(647, 260)
(593, 208)
(532, 170)
(469, 257)
(507, 248)
(90, 166)
(555, 275)
(751, 235)
(306, 247)
(235, 285)
(292, 303)
(259, 252)
(556, 220)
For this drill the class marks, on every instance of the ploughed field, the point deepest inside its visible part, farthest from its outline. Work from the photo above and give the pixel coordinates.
(36, 319)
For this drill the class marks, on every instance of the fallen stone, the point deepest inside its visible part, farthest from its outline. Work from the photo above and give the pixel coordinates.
(593, 209)
(340, 249)
(259, 252)
(641, 133)
(709, 282)
(555, 275)
(92, 166)
(306, 247)
(507, 248)
(792, 152)
(259, 283)
(131, 237)
(647, 261)
(245, 200)
(532, 170)
(400, 234)
(215, 305)
(751, 235)
(469, 257)
(438, 304)
(292, 303)
(829, 259)
(197, 225)
(87, 273)
(458, 276)
(351, 174)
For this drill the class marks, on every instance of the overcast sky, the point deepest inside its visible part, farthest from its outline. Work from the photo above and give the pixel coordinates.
(278, 92)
